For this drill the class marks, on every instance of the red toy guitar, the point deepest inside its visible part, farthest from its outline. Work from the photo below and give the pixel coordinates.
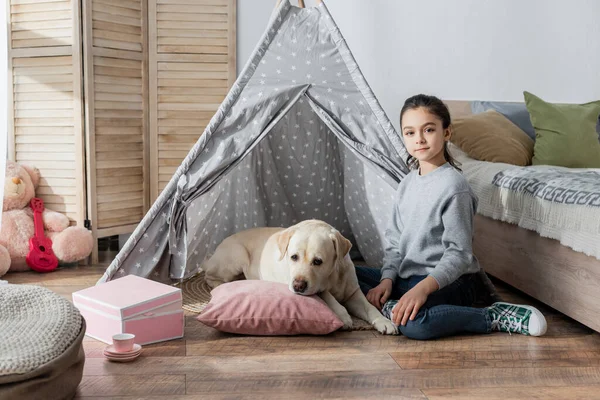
(41, 258)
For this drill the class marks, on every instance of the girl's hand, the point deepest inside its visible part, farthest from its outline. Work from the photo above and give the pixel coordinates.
(380, 293)
(409, 305)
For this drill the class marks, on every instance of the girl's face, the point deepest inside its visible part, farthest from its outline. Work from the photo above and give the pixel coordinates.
(424, 136)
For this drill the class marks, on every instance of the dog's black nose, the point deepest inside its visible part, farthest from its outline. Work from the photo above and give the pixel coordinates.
(299, 285)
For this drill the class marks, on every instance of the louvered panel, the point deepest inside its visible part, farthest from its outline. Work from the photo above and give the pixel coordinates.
(116, 181)
(21, 2)
(115, 42)
(60, 191)
(193, 28)
(63, 151)
(182, 117)
(46, 119)
(44, 125)
(105, 173)
(129, 4)
(192, 67)
(117, 26)
(36, 138)
(41, 24)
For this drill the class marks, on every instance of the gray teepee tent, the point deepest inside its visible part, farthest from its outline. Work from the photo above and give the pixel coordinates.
(300, 135)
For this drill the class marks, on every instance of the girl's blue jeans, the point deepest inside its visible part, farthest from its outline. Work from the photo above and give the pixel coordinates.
(447, 311)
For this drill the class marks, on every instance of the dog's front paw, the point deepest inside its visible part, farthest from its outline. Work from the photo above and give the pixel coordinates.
(385, 326)
(347, 321)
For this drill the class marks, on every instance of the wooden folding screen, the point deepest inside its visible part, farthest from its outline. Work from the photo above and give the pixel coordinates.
(115, 54)
(45, 105)
(192, 51)
(108, 97)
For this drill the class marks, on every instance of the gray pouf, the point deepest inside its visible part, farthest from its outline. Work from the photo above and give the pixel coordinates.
(41, 351)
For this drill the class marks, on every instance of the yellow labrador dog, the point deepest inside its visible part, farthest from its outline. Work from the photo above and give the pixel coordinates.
(311, 257)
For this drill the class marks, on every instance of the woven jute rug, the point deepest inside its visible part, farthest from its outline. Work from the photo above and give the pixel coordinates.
(196, 295)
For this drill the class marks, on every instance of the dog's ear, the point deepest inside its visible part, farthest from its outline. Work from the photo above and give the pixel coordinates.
(283, 239)
(341, 244)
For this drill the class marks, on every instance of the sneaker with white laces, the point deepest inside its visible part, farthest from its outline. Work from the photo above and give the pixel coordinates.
(386, 310)
(516, 318)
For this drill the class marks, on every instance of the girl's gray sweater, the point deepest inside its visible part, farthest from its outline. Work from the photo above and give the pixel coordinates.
(431, 228)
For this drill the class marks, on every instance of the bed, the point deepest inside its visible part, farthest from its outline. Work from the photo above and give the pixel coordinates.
(557, 263)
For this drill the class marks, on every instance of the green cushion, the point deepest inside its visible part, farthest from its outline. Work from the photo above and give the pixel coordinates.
(565, 133)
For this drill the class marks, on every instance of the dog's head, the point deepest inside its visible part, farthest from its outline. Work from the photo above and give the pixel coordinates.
(313, 250)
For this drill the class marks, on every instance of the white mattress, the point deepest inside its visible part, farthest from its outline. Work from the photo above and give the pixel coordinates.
(575, 226)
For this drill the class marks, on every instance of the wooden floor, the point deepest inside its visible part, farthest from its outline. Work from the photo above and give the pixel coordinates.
(207, 364)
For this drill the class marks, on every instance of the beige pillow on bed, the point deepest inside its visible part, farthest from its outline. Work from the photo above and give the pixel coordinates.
(490, 136)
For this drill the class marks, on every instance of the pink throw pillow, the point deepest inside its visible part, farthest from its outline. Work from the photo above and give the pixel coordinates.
(255, 307)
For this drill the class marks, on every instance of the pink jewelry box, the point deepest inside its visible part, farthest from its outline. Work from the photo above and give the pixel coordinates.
(148, 309)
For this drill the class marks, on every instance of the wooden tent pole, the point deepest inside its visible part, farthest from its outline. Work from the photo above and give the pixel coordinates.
(300, 3)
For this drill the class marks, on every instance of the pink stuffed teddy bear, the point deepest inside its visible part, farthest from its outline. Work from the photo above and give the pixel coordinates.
(69, 243)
